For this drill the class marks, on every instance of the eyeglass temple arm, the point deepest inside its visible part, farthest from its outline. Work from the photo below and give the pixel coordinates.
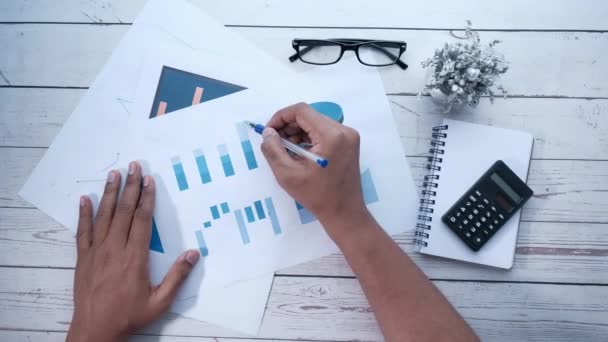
(389, 54)
(303, 51)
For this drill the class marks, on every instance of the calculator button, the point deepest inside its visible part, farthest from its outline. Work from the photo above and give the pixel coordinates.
(460, 227)
(475, 211)
(495, 221)
(501, 217)
(478, 240)
(477, 224)
(473, 230)
(486, 201)
(482, 219)
(477, 193)
(465, 221)
(457, 214)
(472, 198)
(493, 208)
(486, 232)
(467, 235)
(470, 217)
(462, 209)
(468, 204)
(491, 226)
(452, 219)
(488, 214)
(480, 206)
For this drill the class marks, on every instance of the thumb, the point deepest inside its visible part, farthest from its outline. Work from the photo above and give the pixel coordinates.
(165, 292)
(276, 155)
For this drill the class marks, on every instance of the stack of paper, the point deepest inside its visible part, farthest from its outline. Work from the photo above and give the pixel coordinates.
(173, 95)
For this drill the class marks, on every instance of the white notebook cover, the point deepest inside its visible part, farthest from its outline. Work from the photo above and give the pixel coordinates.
(469, 151)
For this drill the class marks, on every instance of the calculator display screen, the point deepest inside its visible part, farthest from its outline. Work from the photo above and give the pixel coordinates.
(515, 197)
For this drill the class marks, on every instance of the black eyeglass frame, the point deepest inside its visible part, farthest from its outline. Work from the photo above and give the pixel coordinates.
(349, 45)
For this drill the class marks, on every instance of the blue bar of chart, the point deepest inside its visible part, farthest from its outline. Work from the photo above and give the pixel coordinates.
(272, 214)
(155, 242)
(259, 209)
(249, 214)
(215, 213)
(225, 159)
(201, 164)
(180, 176)
(243, 131)
(202, 246)
(225, 208)
(238, 215)
(370, 195)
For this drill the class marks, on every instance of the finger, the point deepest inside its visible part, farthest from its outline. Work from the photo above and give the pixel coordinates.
(165, 292)
(121, 224)
(308, 119)
(292, 129)
(105, 213)
(85, 226)
(141, 228)
(279, 160)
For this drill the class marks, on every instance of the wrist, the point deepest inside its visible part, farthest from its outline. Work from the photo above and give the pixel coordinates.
(348, 225)
(79, 332)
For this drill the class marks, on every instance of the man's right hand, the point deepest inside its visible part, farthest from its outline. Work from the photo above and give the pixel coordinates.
(332, 193)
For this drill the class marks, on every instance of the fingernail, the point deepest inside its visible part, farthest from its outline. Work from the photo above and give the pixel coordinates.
(111, 176)
(192, 257)
(146, 181)
(83, 200)
(132, 168)
(268, 131)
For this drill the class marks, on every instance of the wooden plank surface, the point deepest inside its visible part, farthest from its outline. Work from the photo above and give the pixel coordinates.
(336, 309)
(34, 116)
(565, 190)
(557, 288)
(511, 15)
(47, 336)
(580, 70)
(30, 239)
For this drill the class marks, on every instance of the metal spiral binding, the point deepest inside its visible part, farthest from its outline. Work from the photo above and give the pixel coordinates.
(429, 186)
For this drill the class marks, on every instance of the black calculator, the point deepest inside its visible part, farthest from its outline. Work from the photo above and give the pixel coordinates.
(487, 206)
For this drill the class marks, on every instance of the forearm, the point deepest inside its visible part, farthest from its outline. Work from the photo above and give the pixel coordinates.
(407, 305)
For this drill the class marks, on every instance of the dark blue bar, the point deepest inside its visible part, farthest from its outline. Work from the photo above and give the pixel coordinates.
(249, 214)
(214, 212)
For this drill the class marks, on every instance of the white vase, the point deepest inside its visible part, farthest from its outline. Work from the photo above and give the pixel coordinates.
(444, 101)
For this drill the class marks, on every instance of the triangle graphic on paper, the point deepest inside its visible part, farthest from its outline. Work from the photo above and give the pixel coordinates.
(155, 243)
(178, 89)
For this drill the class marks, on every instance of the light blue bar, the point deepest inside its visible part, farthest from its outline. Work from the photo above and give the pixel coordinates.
(305, 215)
(252, 163)
(180, 176)
(259, 209)
(369, 189)
(207, 224)
(225, 208)
(225, 159)
(243, 131)
(272, 214)
(214, 212)
(242, 227)
(249, 214)
(202, 246)
(203, 169)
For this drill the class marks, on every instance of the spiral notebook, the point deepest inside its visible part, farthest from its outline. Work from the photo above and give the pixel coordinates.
(462, 152)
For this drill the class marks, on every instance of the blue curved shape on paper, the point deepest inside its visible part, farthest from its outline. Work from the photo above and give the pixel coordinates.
(329, 109)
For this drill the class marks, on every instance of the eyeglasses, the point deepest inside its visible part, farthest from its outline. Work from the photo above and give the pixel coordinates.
(375, 53)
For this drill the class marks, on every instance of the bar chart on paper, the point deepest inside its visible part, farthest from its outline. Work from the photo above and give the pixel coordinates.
(225, 155)
(262, 210)
(178, 89)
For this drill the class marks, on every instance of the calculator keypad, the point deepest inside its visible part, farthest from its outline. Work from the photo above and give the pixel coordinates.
(476, 220)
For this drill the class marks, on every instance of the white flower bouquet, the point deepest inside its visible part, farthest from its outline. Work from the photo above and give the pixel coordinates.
(462, 72)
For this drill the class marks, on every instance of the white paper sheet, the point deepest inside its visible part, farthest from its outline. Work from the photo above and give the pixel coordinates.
(88, 145)
(174, 141)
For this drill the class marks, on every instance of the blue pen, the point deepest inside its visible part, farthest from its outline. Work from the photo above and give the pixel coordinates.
(322, 162)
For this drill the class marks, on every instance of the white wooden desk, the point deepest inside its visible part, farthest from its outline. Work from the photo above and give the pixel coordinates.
(51, 51)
